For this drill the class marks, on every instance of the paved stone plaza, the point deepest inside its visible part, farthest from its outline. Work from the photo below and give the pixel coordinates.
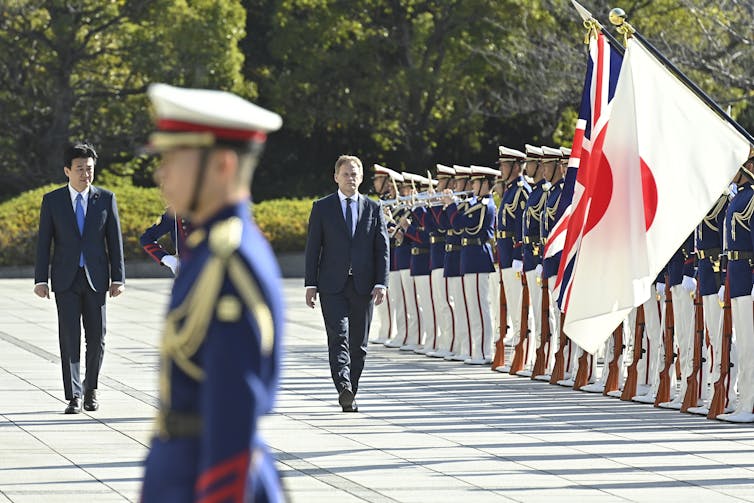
(428, 430)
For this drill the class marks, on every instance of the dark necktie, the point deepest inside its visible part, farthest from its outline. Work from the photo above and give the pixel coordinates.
(349, 217)
(80, 223)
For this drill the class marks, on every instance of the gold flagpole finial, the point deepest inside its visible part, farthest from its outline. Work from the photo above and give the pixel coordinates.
(617, 17)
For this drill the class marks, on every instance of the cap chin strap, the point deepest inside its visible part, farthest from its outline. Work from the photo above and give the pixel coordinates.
(203, 156)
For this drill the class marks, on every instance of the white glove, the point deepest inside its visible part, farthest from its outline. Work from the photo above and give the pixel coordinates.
(689, 284)
(752, 293)
(721, 293)
(538, 270)
(518, 266)
(732, 190)
(660, 288)
(172, 262)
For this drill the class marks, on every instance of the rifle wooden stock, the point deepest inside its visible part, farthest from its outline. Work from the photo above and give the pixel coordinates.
(558, 370)
(720, 396)
(612, 382)
(663, 390)
(519, 355)
(632, 372)
(693, 386)
(499, 359)
(582, 374)
(540, 363)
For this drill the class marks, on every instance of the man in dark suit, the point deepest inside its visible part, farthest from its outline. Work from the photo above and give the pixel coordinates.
(81, 221)
(347, 264)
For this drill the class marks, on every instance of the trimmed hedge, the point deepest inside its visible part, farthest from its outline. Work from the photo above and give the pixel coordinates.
(283, 221)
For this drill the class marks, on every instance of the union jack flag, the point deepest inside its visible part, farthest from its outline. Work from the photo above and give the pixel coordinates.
(603, 68)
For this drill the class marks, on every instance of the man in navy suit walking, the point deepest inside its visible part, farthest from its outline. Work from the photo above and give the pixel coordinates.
(82, 222)
(347, 265)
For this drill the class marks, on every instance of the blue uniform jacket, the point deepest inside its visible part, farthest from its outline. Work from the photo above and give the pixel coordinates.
(219, 369)
(476, 222)
(436, 238)
(709, 246)
(533, 211)
(509, 223)
(402, 251)
(452, 264)
(738, 238)
(418, 235)
(550, 217)
(681, 263)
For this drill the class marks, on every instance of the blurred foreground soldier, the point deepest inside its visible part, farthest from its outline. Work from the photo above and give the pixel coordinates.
(220, 354)
(169, 224)
(80, 222)
(347, 265)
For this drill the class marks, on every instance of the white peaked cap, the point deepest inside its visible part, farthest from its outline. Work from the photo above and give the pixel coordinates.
(411, 177)
(202, 117)
(462, 170)
(510, 154)
(533, 152)
(483, 171)
(566, 151)
(382, 170)
(445, 170)
(551, 153)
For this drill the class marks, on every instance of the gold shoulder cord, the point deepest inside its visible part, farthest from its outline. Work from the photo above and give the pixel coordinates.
(535, 211)
(711, 219)
(248, 288)
(482, 211)
(181, 342)
(741, 218)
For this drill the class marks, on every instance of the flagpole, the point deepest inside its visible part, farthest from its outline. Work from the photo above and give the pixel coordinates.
(618, 18)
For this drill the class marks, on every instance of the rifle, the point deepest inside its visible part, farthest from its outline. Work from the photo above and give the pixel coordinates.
(558, 370)
(522, 348)
(499, 359)
(663, 390)
(632, 377)
(693, 386)
(612, 382)
(540, 363)
(720, 397)
(584, 371)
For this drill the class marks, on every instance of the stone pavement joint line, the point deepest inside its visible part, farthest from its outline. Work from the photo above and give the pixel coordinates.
(427, 431)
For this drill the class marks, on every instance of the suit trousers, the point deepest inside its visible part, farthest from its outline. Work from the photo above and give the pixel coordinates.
(80, 303)
(347, 317)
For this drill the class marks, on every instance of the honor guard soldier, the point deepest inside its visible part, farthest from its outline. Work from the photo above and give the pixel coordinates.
(452, 268)
(402, 252)
(417, 233)
(508, 238)
(740, 253)
(654, 309)
(220, 352)
(532, 249)
(680, 270)
(476, 222)
(439, 284)
(554, 172)
(384, 313)
(178, 228)
(708, 237)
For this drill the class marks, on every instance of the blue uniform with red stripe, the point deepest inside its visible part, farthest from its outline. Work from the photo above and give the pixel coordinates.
(738, 241)
(452, 264)
(418, 234)
(509, 223)
(532, 215)
(709, 246)
(149, 240)
(550, 217)
(476, 223)
(219, 369)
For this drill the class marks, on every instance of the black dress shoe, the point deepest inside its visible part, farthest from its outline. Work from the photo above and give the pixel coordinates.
(352, 408)
(74, 406)
(345, 398)
(90, 400)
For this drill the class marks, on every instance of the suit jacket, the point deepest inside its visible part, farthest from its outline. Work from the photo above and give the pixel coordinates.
(101, 242)
(330, 251)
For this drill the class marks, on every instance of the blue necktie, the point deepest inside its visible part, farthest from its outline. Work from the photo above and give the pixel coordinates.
(80, 223)
(349, 217)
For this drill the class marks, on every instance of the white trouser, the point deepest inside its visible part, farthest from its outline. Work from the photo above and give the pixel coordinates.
(654, 330)
(397, 306)
(384, 320)
(713, 320)
(554, 317)
(535, 332)
(443, 311)
(629, 334)
(460, 345)
(413, 326)
(743, 328)
(683, 319)
(426, 310)
(476, 286)
(513, 300)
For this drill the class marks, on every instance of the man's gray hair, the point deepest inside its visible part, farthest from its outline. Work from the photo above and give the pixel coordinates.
(348, 159)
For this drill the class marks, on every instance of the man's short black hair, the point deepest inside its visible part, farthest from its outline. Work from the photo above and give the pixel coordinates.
(79, 151)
